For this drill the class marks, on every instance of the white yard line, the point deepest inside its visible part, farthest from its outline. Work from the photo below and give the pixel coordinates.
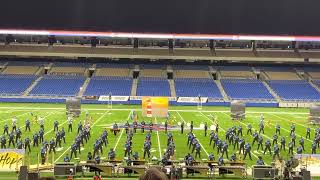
(198, 139)
(51, 113)
(118, 140)
(159, 146)
(211, 120)
(289, 120)
(99, 119)
(16, 116)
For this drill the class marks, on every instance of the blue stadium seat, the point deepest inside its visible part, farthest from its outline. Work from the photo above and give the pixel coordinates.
(103, 85)
(246, 89)
(15, 84)
(192, 87)
(294, 90)
(152, 86)
(58, 85)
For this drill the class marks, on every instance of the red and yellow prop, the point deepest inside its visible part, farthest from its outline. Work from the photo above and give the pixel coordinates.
(155, 106)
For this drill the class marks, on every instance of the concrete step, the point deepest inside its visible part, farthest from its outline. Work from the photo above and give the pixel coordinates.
(134, 87)
(272, 92)
(172, 88)
(29, 89)
(222, 91)
(84, 87)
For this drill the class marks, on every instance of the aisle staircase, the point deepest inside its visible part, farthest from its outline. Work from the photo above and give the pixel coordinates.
(272, 92)
(84, 87)
(29, 89)
(172, 88)
(134, 87)
(222, 91)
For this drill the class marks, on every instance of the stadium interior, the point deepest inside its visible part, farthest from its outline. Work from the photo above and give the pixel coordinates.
(277, 81)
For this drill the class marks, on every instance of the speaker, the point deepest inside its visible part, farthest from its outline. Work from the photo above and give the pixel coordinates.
(9, 39)
(170, 44)
(135, 43)
(23, 173)
(211, 44)
(51, 40)
(94, 41)
(33, 175)
(306, 174)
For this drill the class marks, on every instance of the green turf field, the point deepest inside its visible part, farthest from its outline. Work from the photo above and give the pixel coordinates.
(104, 118)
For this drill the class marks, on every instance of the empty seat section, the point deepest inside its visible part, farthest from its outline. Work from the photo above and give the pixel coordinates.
(237, 74)
(58, 85)
(20, 70)
(15, 84)
(148, 86)
(112, 72)
(72, 71)
(191, 67)
(118, 86)
(191, 74)
(282, 75)
(294, 90)
(246, 89)
(152, 73)
(314, 75)
(192, 87)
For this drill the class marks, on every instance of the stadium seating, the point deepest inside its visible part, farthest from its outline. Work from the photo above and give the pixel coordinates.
(112, 72)
(317, 82)
(191, 67)
(246, 89)
(152, 66)
(58, 85)
(20, 70)
(314, 75)
(72, 71)
(149, 86)
(279, 73)
(114, 65)
(294, 90)
(118, 86)
(237, 74)
(191, 74)
(282, 75)
(192, 87)
(152, 73)
(15, 84)
(71, 64)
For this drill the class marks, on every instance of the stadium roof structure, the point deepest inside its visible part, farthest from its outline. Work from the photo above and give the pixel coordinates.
(154, 46)
(160, 35)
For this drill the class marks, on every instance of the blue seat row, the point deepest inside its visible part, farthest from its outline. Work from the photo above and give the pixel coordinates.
(153, 87)
(15, 84)
(117, 86)
(294, 90)
(193, 87)
(246, 89)
(58, 85)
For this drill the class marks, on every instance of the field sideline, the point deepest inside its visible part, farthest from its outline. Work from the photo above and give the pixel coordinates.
(104, 118)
